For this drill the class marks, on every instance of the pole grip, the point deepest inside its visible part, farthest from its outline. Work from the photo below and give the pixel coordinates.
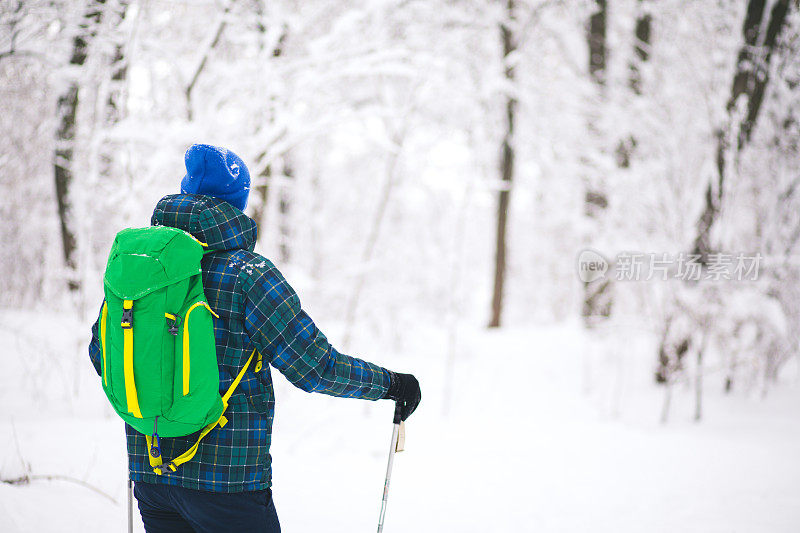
(397, 412)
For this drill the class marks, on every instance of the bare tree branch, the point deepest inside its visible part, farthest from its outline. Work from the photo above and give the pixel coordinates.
(201, 65)
(26, 479)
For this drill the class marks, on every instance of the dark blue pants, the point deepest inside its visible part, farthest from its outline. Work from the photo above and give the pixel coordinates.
(168, 509)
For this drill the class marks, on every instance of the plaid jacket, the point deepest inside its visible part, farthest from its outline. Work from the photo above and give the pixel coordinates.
(257, 309)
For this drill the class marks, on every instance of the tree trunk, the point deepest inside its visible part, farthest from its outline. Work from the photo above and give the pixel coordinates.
(597, 43)
(285, 211)
(597, 299)
(749, 82)
(371, 243)
(115, 103)
(116, 93)
(641, 49)
(506, 166)
(666, 403)
(698, 382)
(641, 53)
(66, 113)
(265, 176)
(261, 190)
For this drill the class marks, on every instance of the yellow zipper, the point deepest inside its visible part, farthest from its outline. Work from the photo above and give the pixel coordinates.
(186, 363)
(103, 317)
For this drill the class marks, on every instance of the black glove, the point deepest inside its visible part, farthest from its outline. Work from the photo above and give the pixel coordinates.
(404, 389)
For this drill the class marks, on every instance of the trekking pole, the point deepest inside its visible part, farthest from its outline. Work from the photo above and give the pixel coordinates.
(398, 441)
(130, 504)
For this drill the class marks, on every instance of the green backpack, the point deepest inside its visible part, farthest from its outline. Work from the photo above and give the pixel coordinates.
(159, 362)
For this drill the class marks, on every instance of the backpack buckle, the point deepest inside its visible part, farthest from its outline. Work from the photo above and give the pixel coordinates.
(173, 321)
(165, 468)
(127, 318)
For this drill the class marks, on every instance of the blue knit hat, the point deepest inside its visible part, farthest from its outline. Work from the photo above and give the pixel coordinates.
(217, 172)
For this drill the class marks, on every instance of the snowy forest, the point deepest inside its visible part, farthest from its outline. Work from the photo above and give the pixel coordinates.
(576, 221)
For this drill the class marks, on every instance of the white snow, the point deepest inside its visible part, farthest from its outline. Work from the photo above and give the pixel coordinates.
(530, 443)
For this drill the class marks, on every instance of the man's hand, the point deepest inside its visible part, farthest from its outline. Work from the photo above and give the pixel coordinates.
(404, 389)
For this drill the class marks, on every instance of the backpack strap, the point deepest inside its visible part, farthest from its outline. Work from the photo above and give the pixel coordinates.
(127, 350)
(173, 465)
(103, 320)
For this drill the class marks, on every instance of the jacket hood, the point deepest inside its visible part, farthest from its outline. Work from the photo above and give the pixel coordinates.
(211, 220)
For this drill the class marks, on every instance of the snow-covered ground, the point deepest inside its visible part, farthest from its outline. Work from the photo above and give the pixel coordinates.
(546, 431)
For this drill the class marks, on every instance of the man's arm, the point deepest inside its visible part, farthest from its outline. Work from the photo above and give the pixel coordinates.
(286, 336)
(94, 345)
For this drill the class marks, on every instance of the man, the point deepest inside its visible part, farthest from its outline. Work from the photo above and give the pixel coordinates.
(227, 485)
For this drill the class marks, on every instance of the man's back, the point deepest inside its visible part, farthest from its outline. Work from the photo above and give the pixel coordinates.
(257, 310)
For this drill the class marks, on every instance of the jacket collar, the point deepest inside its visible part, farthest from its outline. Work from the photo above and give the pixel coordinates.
(210, 220)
